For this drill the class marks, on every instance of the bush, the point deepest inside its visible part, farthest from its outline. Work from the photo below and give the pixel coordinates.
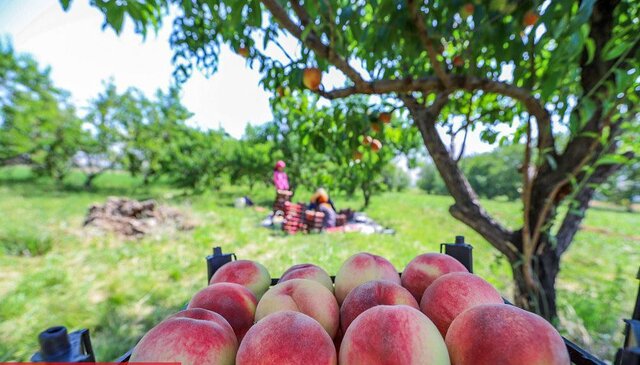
(430, 180)
(492, 175)
(395, 178)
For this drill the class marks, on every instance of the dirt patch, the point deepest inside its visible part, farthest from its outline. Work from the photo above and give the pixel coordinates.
(133, 218)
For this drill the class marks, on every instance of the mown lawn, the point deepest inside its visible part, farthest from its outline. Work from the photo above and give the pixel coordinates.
(53, 272)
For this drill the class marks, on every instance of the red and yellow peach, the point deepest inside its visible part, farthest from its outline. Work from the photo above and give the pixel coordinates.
(304, 296)
(191, 337)
(244, 272)
(232, 301)
(287, 337)
(502, 334)
(360, 268)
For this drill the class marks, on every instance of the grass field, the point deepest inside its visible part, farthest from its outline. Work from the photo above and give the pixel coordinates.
(52, 272)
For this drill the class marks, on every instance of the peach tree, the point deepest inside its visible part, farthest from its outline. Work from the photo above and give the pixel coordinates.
(342, 145)
(561, 76)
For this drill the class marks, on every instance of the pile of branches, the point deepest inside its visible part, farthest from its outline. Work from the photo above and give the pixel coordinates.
(133, 218)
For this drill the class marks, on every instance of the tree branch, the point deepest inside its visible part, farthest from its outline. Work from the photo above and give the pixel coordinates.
(459, 82)
(592, 73)
(574, 216)
(423, 34)
(467, 207)
(311, 41)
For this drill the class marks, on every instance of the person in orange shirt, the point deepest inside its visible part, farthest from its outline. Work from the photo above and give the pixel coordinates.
(320, 202)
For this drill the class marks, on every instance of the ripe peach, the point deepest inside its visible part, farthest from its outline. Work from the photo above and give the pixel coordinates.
(376, 127)
(308, 271)
(251, 274)
(454, 293)
(312, 78)
(502, 334)
(393, 335)
(193, 336)
(232, 301)
(367, 140)
(530, 18)
(458, 61)
(467, 10)
(424, 269)
(243, 51)
(371, 294)
(385, 117)
(287, 337)
(360, 268)
(376, 145)
(304, 296)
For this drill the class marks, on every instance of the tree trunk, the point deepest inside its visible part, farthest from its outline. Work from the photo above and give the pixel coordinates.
(540, 298)
(147, 178)
(366, 193)
(88, 182)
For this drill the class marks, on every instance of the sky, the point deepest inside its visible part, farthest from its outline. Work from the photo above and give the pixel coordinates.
(82, 56)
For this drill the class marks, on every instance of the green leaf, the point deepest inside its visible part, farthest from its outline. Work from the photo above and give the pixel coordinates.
(611, 159)
(591, 49)
(551, 161)
(65, 4)
(115, 18)
(305, 32)
(611, 52)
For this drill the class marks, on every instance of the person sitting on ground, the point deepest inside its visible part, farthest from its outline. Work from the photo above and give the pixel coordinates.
(320, 202)
(280, 178)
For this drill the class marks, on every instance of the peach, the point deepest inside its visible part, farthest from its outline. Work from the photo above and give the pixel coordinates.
(376, 145)
(502, 334)
(304, 296)
(287, 337)
(244, 272)
(232, 301)
(393, 335)
(452, 294)
(360, 268)
(385, 117)
(424, 269)
(193, 336)
(530, 18)
(371, 294)
(310, 272)
(312, 78)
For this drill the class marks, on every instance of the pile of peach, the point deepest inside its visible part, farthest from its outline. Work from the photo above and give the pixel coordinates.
(437, 313)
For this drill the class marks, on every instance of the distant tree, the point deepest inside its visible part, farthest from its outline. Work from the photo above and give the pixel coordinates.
(163, 118)
(430, 181)
(196, 159)
(128, 130)
(251, 160)
(36, 119)
(496, 173)
(395, 178)
(333, 145)
(102, 151)
(623, 188)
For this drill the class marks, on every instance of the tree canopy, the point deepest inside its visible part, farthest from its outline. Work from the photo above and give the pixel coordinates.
(562, 75)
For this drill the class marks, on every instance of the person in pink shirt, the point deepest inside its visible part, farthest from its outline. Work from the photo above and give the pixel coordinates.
(280, 178)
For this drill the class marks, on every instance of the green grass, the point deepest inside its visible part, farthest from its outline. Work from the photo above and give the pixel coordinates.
(52, 272)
